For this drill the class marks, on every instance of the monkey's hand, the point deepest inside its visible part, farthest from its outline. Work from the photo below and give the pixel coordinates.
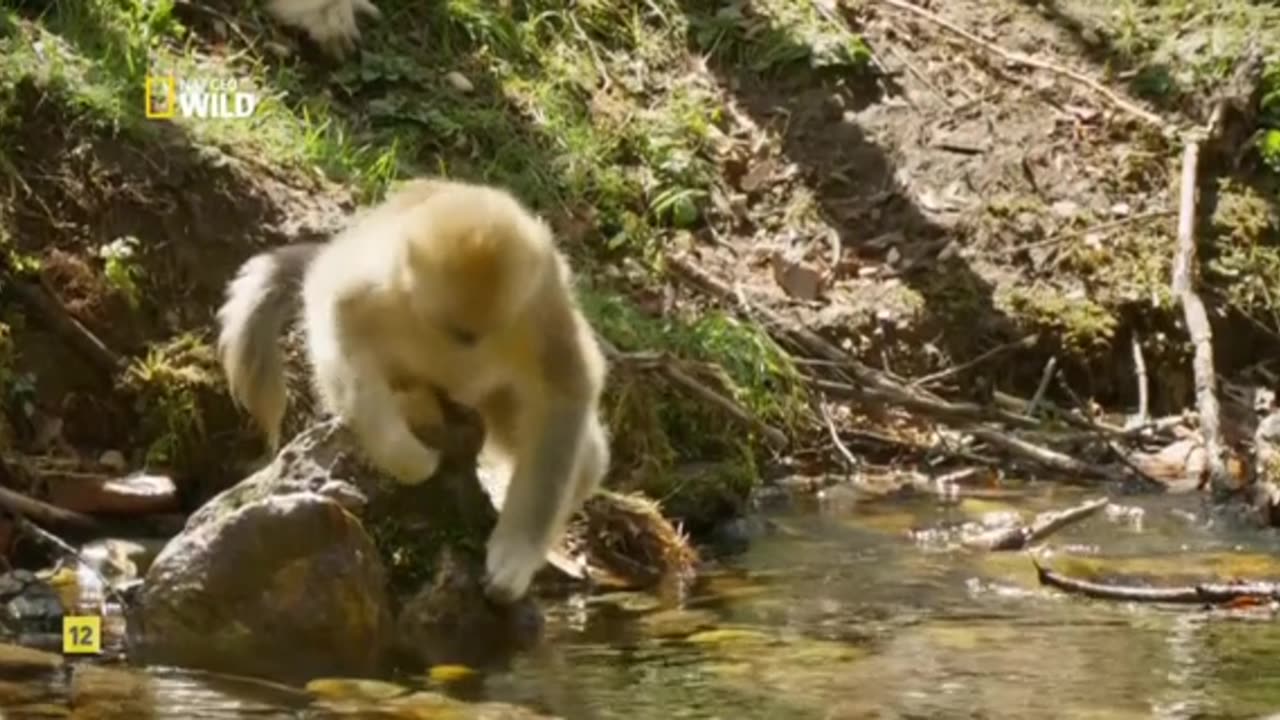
(510, 566)
(403, 456)
(332, 24)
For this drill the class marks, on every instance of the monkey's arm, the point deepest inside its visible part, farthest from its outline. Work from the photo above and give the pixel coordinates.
(353, 387)
(557, 403)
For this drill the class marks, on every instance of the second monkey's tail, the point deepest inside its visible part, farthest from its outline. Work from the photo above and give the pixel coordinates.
(259, 303)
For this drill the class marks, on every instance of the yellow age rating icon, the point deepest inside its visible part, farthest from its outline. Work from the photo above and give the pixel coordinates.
(82, 634)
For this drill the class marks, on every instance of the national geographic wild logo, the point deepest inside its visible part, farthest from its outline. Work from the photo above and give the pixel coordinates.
(168, 97)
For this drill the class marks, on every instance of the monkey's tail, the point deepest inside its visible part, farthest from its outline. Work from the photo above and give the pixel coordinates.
(259, 303)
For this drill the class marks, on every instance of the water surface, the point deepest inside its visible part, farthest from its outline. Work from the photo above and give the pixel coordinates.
(840, 612)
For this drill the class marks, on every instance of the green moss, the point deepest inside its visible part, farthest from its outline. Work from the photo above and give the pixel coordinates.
(1084, 326)
(170, 384)
(1246, 259)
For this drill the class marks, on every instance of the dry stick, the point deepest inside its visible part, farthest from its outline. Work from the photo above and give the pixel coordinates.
(835, 438)
(774, 436)
(1044, 525)
(1043, 387)
(1197, 320)
(940, 409)
(664, 365)
(23, 505)
(1140, 370)
(1043, 456)
(1070, 234)
(61, 320)
(1027, 341)
(1203, 593)
(1021, 59)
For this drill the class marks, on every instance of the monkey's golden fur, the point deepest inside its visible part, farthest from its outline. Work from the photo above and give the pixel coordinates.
(450, 286)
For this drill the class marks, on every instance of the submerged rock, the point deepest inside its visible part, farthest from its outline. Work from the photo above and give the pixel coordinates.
(290, 572)
(28, 605)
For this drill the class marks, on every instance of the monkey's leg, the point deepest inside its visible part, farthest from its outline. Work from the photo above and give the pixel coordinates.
(352, 387)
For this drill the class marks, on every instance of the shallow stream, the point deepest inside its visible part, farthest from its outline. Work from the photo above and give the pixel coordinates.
(839, 613)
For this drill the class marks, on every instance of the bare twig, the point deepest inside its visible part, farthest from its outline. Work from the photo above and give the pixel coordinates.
(1092, 230)
(1021, 59)
(1044, 525)
(1140, 370)
(1200, 594)
(930, 379)
(835, 438)
(1197, 320)
(1043, 387)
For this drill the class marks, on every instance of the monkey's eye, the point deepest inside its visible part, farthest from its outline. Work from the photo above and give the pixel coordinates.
(463, 336)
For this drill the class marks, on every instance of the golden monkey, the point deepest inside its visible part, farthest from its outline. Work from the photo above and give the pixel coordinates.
(332, 24)
(446, 285)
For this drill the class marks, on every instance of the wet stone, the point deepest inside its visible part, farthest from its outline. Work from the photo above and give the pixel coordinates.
(28, 604)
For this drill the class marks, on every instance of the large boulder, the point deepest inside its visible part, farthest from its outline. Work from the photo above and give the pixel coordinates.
(274, 576)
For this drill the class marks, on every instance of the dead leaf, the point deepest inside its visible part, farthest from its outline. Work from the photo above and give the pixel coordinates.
(796, 279)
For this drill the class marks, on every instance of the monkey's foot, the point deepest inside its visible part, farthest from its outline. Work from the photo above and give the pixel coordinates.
(511, 565)
(332, 24)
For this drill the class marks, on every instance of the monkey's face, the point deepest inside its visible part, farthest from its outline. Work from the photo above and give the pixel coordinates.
(471, 276)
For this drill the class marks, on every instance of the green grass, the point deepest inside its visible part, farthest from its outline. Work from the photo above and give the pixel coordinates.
(598, 113)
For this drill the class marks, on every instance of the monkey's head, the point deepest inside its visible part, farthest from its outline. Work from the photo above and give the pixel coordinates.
(475, 257)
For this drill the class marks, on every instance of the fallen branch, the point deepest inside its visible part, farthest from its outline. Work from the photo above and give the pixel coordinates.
(1204, 593)
(1044, 525)
(62, 322)
(1197, 320)
(1046, 457)
(1020, 59)
(845, 452)
(38, 510)
(936, 408)
(1084, 232)
(772, 435)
